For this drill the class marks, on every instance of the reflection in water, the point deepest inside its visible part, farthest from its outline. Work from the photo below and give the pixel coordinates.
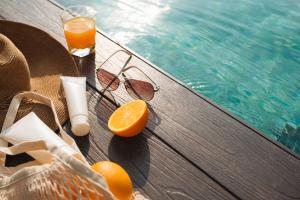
(133, 18)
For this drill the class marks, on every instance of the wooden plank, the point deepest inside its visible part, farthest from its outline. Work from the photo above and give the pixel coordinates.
(155, 168)
(232, 153)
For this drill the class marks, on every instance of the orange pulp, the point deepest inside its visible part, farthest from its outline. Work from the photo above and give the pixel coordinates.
(80, 32)
(130, 119)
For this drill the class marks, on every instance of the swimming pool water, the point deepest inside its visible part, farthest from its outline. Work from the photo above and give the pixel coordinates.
(242, 54)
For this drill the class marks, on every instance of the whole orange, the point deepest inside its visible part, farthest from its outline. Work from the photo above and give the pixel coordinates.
(117, 179)
(130, 119)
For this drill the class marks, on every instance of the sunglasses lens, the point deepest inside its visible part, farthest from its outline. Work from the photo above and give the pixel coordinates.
(107, 79)
(139, 89)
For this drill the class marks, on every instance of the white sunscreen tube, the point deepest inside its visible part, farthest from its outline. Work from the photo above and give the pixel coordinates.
(31, 128)
(75, 92)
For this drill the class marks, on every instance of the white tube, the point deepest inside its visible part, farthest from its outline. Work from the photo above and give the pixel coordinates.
(31, 128)
(75, 92)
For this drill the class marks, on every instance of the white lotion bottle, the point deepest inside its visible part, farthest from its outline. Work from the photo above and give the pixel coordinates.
(75, 92)
(31, 128)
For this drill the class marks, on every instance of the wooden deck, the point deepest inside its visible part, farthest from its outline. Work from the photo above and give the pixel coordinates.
(191, 148)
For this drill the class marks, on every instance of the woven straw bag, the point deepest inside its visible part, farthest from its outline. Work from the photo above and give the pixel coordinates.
(62, 177)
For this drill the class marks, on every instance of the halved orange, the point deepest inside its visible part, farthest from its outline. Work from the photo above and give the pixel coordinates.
(130, 119)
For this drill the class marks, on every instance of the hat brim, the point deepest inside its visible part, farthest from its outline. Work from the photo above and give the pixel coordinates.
(47, 60)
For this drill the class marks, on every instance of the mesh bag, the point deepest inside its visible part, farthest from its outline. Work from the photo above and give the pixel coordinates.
(57, 176)
(64, 178)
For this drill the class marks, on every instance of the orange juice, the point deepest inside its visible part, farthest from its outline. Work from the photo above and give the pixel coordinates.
(80, 33)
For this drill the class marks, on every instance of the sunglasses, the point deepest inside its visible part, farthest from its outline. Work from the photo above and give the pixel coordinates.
(137, 89)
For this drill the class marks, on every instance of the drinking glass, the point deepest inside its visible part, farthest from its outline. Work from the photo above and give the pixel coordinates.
(79, 26)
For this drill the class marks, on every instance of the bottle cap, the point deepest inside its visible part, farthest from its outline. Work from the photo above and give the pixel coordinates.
(80, 125)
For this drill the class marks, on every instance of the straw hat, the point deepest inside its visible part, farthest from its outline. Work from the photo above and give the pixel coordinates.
(31, 59)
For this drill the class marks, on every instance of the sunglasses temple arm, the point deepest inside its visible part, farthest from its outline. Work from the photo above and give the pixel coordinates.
(125, 64)
(156, 86)
(121, 50)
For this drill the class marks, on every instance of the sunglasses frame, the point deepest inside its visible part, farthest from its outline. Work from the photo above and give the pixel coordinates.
(123, 70)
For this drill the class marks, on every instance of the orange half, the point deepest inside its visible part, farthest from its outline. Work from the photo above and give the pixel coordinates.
(130, 119)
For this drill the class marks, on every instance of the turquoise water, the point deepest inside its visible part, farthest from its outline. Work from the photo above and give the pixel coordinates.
(242, 54)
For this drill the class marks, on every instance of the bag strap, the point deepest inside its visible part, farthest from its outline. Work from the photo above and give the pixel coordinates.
(21, 148)
(12, 113)
(24, 147)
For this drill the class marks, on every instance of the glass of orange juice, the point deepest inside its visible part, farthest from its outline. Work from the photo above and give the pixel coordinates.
(80, 29)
